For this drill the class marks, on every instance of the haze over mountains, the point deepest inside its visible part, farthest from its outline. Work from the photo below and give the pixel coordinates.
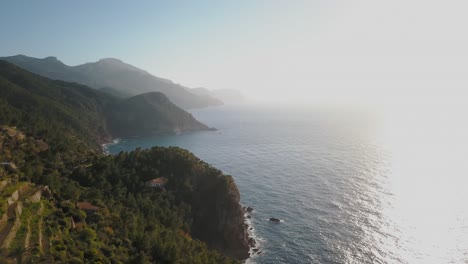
(59, 192)
(226, 95)
(115, 77)
(38, 104)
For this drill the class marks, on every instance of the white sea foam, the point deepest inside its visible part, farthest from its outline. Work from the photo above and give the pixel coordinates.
(105, 146)
(256, 250)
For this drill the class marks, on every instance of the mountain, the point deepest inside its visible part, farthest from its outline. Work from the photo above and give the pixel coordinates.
(228, 96)
(63, 201)
(150, 114)
(41, 106)
(122, 77)
(114, 92)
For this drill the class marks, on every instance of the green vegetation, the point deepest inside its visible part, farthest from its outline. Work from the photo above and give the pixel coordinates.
(134, 223)
(51, 131)
(18, 242)
(130, 116)
(69, 113)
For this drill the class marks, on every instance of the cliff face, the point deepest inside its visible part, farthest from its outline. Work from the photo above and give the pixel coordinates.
(206, 200)
(219, 217)
(230, 223)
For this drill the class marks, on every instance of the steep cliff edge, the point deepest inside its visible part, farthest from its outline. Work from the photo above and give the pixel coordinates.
(206, 200)
(219, 217)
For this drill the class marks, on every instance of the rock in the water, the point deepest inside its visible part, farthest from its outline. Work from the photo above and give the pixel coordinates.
(273, 219)
(249, 216)
(252, 242)
(249, 209)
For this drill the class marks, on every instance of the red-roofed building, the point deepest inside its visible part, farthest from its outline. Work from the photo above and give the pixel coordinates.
(87, 207)
(157, 183)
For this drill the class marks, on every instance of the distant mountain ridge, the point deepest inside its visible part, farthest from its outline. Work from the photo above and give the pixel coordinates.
(123, 78)
(35, 103)
(228, 96)
(65, 201)
(149, 114)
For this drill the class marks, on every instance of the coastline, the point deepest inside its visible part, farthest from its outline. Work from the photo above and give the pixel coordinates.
(252, 240)
(117, 140)
(105, 146)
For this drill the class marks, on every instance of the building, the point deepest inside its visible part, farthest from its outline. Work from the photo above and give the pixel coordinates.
(87, 207)
(157, 183)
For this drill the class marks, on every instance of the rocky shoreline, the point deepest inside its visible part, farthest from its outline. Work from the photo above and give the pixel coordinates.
(254, 245)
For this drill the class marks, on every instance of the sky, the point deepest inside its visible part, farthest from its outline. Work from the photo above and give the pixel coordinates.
(364, 51)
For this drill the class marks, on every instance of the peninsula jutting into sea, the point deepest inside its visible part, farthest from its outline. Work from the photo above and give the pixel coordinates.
(68, 202)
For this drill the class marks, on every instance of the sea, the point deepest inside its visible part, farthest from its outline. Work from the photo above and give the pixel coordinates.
(350, 184)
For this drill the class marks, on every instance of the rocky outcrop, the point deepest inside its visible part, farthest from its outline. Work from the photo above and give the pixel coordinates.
(274, 219)
(3, 184)
(36, 197)
(219, 220)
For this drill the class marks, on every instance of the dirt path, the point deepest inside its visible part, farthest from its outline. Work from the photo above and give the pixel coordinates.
(9, 225)
(42, 246)
(15, 212)
(28, 235)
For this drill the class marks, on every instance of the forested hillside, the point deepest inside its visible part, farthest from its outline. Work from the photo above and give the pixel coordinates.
(131, 223)
(70, 113)
(63, 201)
(131, 117)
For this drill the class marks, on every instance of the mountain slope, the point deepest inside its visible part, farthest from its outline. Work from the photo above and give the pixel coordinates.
(228, 96)
(98, 208)
(130, 117)
(122, 77)
(42, 107)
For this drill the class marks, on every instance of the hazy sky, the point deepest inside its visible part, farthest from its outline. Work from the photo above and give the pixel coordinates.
(315, 50)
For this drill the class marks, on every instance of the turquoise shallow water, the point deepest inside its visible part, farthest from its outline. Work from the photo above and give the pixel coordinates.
(343, 194)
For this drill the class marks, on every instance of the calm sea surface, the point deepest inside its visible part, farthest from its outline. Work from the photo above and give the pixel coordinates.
(351, 186)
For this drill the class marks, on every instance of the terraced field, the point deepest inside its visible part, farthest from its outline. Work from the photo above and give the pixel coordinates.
(21, 223)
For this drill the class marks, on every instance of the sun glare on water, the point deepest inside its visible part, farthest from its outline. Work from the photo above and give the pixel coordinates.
(426, 209)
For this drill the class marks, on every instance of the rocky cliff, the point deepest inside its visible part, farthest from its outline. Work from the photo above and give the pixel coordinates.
(219, 217)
